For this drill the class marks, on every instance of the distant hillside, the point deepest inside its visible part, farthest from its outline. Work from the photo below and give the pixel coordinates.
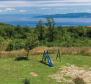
(5, 25)
(69, 15)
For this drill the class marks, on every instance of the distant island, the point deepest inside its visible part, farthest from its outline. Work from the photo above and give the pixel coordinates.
(68, 15)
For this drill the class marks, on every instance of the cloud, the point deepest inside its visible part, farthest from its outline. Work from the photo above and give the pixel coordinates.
(78, 0)
(13, 3)
(23, 11)
(0, 10)
(43, 3)
(7, 9)
(44, 6)
(10, 9)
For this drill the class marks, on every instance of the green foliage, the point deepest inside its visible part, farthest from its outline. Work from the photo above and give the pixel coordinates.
(16, 44)
(1, 39)
(40, 30)
(17, 37)
(51, 30)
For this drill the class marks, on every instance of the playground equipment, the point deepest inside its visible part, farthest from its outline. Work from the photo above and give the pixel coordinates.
(58, 55)
(46, 59)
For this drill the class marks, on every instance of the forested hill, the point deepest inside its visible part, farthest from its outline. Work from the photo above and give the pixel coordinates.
(17, 37)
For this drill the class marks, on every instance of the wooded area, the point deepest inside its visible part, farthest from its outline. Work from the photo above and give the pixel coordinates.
(44, 34)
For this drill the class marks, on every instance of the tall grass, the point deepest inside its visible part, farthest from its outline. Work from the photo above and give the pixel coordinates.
(64, 50)
(85, 51)
(14, 53)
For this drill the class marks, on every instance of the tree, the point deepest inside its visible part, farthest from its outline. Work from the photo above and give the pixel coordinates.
(51, 29)
(40, 30)
(9, 32)
(32, 40)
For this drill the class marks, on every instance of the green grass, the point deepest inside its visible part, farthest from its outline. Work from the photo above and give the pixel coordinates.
(14, 72)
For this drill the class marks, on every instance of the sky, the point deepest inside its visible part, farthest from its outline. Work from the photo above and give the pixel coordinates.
(44, 6)
(23, 11)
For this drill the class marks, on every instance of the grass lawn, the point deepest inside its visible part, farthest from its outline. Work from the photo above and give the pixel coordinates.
(14, 72)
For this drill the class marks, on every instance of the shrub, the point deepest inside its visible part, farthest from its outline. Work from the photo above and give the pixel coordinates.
(16, 44)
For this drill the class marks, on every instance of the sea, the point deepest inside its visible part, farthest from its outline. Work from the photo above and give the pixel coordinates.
(32, 20)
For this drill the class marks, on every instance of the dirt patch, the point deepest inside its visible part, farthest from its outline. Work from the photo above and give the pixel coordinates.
(34, 74)
(69, 75)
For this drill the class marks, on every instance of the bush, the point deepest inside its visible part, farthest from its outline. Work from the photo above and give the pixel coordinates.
(16, 44)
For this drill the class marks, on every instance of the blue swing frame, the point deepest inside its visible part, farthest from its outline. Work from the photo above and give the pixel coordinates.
(46, 59)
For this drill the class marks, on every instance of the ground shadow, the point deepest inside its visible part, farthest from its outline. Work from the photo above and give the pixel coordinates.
(20, 58)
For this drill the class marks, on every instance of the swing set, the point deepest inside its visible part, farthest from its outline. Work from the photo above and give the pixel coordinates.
(46, 59)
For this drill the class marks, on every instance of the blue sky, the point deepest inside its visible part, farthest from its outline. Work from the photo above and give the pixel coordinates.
(44, 6)
(23, 11)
